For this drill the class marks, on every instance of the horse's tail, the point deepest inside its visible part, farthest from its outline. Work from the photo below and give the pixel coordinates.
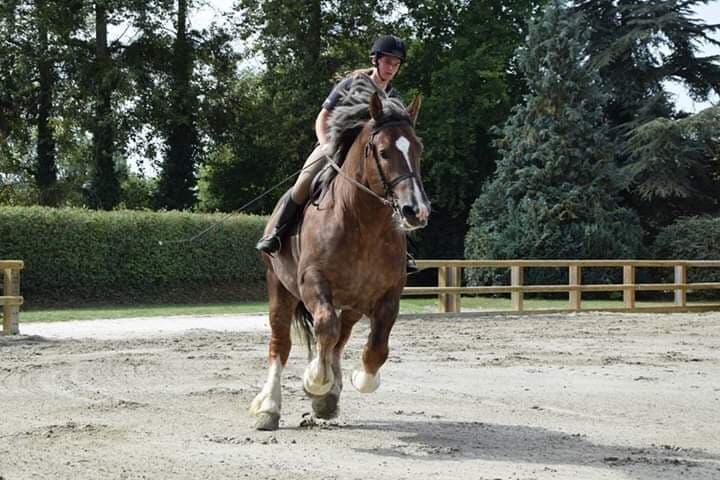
(303, 323)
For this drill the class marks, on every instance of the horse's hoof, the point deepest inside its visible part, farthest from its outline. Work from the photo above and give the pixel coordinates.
(365, 382)
(326, 407)
(267, 421)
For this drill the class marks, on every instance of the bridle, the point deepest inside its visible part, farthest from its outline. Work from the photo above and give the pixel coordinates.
(389, 199)
(371, 148)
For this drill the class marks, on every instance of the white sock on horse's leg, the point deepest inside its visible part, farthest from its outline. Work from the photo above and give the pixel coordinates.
(314, 375)
(365, 382)
(269, 399)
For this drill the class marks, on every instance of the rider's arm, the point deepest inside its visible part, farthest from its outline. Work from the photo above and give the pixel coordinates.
(322, 119)
(321, 126)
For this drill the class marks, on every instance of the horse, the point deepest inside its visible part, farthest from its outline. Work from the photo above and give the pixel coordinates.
(348, 254)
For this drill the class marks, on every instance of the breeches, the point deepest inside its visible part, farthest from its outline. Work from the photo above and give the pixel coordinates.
(314, 163)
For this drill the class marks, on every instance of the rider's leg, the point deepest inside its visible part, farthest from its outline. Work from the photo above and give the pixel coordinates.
(293, 202)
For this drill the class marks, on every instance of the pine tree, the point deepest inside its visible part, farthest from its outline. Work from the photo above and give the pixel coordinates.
(555, 187)
(637, 46)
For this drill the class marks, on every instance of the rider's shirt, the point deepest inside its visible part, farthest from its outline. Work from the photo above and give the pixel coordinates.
(343, 87)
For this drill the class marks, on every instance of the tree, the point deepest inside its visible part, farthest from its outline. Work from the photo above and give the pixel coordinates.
(638, 45)
(105, 186)
(262, 128)
(462, 61)
(176, 187)
(30, 50)
(554, 193)
(676, 162)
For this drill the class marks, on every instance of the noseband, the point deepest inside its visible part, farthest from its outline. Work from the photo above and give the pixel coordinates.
(371, 148)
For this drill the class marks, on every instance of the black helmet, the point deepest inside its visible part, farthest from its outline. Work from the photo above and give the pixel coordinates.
(388, 45)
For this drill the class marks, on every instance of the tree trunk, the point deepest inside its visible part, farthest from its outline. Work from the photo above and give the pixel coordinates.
(105, 193)
(176, 189)
(46, 170)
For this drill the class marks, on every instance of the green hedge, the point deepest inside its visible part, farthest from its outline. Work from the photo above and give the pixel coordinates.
(75, 256)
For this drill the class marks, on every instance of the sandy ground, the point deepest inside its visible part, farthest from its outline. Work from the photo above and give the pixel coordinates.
(587, 396)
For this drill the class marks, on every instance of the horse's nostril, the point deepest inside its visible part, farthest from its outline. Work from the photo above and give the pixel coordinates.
(408, 211)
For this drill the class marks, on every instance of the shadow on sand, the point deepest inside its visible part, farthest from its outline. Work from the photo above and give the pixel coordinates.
(15, 340)
(522, 444)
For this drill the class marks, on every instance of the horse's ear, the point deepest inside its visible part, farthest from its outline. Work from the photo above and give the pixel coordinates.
(414, 108)
(376, 109)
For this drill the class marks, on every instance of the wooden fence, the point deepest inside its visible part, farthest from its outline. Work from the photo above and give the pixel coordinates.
(11, 299)
(450, 289)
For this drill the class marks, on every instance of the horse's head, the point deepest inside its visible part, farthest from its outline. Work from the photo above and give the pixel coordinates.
(392, 157)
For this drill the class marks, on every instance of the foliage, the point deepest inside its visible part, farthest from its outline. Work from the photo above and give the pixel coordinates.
(462, 62)
(554, 193)
(676, 164)
(691, 238)
(34, 48)
(638, 46)
(73, 254)
(234, 103)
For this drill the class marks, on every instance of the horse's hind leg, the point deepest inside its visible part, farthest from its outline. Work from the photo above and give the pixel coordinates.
(376, 349)
(327, 406)
(267, 404)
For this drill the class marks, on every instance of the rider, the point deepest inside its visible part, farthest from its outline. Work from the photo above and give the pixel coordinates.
(386, 55)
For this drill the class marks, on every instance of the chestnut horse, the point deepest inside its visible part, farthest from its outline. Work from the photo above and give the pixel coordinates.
(349, 253)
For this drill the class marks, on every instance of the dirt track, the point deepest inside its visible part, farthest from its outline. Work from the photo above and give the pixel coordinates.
(579, 397)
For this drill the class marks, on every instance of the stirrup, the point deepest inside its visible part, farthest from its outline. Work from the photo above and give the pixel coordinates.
(410, 265)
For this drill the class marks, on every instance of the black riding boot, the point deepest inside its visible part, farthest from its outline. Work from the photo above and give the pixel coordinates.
(271, 242)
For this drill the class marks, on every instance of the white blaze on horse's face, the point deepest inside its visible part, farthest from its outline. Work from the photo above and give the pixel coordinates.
(414, 207)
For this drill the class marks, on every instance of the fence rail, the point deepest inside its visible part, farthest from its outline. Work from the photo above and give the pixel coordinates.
(450, 289)
(10, 298)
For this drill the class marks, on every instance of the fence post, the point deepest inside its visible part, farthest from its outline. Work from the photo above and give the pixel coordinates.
(449, 277)
(11, 287)
(574, 280)
(454, 280)
(443, 297)
(629, 291)
(516, 280)
(681, 277)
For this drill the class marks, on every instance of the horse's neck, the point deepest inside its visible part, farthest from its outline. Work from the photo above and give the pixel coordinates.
(353, 200)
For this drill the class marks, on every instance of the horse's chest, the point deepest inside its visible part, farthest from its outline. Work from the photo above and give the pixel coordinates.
(359, 269)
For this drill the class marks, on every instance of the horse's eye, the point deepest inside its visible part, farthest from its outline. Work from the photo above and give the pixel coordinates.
(383, 153)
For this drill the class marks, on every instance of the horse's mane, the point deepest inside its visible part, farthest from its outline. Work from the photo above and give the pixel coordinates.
(352, 112)
(348, 118)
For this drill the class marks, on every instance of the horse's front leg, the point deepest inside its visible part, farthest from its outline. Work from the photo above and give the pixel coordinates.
(376, 349)
(327, 406)
(267, 404)
(319, 377)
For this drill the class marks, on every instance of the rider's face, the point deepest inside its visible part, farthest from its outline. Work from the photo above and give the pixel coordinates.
(388, 66)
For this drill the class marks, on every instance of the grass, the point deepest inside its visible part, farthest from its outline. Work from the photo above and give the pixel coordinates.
(407, 305)
(93, 313)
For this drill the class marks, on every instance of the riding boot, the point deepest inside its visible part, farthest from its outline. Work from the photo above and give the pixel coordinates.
(271, 242)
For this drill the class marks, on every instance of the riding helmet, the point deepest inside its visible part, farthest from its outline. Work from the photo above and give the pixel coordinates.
(388, 45)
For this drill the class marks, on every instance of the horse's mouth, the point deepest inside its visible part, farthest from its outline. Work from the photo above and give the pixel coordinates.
(410, 224)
